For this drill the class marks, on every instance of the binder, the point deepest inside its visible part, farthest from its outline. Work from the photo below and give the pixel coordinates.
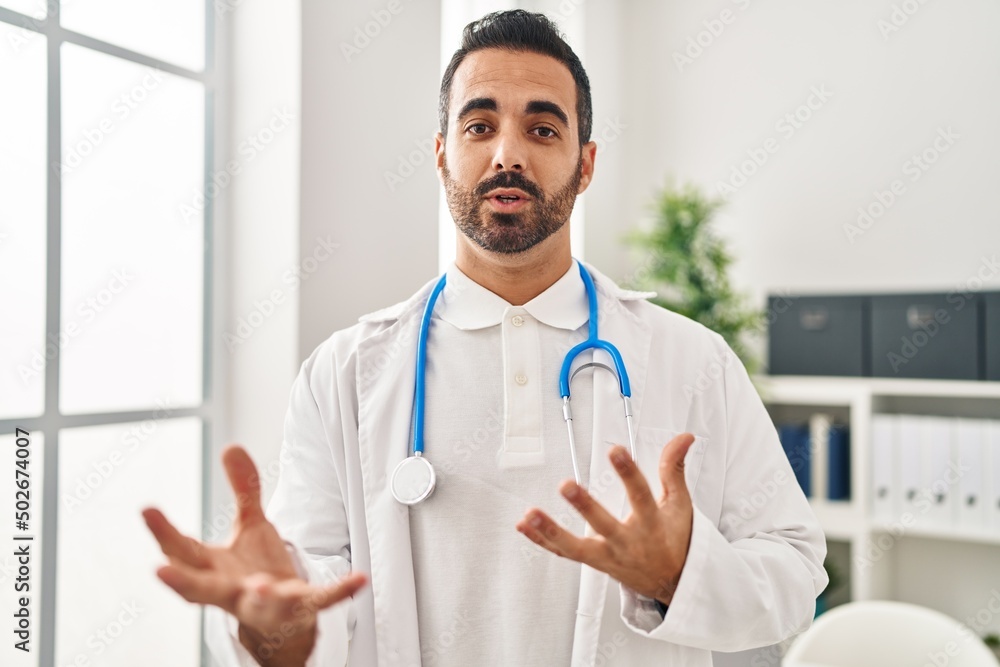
(819, 435)
(939, 485)
(972, 470)
(885, 485)
(909, 462)
(795, 441)
(838, 447)
(993, 482)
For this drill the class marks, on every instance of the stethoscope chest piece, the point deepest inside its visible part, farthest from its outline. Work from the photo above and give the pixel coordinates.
(413, 480)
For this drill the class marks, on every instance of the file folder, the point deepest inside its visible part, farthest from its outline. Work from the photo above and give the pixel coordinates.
(838, 447)
(795, 441)
(993, 481)
(909, 462)
(972, 469)
(885, 484)
(939, 482)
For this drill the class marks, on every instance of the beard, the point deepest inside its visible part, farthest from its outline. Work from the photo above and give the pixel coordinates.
(510, 233)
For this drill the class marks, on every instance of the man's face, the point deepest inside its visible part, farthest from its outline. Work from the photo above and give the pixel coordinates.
(512, 125)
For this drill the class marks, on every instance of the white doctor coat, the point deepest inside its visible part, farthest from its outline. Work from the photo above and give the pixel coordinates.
(755, 562)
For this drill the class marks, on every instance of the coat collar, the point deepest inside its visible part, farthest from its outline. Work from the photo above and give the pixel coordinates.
(416, 302)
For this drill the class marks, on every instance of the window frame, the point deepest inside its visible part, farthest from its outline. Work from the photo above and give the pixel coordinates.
(51, 422)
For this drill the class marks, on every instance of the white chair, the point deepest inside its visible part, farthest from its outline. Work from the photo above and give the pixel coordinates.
(887, 634)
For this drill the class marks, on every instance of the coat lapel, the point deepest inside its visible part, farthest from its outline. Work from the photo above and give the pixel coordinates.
(385, 405)
(631, 336)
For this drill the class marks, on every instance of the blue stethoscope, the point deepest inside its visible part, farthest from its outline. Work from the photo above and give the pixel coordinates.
(413, 480)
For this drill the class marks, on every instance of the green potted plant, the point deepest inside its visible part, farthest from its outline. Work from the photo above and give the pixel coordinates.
(993, 641)
(687, 264)
(836, 581)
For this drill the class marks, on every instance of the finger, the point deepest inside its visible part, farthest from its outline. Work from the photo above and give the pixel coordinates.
(172, 542)
(245, 481)
(672, 465)
(546, 533)
(321, 597)
(200, 586)
(266, 601)
(639, 495)
(593, 512)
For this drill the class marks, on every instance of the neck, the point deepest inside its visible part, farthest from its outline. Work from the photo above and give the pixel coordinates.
(519, 278)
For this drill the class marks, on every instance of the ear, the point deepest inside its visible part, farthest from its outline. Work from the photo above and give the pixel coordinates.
(439, 150)
(588, 152)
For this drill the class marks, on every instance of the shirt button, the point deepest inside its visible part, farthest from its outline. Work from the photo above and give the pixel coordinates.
(521, 379)
(517, 321)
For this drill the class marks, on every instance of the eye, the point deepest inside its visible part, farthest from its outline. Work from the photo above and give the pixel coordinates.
(551, 132)
(476, 125)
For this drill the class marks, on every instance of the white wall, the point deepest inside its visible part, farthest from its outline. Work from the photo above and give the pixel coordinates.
(889, 97)
(257, 219)
(367, 115)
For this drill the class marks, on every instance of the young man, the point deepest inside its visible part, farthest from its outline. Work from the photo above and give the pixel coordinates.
(722, 552)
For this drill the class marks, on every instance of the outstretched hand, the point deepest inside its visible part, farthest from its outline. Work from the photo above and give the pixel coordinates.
(254, 577)
(646, 551)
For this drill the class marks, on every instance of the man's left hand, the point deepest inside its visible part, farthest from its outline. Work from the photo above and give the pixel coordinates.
(646, 551)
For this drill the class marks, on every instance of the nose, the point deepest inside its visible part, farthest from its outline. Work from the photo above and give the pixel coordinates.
(510, 153)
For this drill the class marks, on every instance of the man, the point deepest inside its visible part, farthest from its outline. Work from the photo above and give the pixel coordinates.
(722, 552)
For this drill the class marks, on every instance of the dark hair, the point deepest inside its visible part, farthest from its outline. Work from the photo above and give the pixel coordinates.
(518, 30)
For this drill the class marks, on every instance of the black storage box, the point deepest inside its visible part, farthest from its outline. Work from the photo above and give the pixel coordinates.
(817, 335)
(992, 335)
(926, 336)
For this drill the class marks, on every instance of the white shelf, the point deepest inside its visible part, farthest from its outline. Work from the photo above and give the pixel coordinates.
(806, 390)
(921, 570)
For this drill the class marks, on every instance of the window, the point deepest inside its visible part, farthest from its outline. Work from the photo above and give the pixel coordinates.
(105, 267)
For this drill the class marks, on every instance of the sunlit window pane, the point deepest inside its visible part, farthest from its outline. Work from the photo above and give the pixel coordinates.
(173, 31)
(8, 563)
(22, 223)
(33, 8)
(132, 274)
(111, 608)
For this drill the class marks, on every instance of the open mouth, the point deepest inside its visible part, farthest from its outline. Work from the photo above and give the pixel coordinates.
(508, 202)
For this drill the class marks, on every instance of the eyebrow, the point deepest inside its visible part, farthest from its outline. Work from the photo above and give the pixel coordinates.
(533, 107)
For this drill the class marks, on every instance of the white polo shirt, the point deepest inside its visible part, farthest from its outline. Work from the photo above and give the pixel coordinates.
(486, 594)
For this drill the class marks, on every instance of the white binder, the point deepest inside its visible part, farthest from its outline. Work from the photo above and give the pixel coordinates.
(913, 500)
(993, 481)
(885, 487)
(971, 501)
(939, 482)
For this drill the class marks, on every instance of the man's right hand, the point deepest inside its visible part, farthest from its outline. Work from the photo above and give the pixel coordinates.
(253, 578)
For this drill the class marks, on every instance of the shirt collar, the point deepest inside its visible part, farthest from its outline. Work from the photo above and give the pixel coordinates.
(467, 305)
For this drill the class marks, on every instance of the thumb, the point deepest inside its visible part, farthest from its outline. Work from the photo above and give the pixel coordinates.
(672, 464)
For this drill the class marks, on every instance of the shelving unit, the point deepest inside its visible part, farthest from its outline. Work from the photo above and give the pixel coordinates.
(954, 570)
